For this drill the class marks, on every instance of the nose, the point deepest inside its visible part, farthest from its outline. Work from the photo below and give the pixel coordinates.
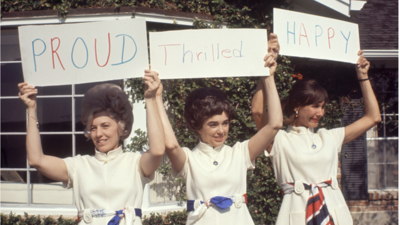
(99, 132)
(320, 112)
(220, 129)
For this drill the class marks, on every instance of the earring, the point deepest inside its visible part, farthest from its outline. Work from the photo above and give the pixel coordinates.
(297, 113)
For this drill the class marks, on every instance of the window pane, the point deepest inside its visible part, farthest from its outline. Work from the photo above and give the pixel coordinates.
(376, 176)
(13, 153)
(13, 187)
(57, 145)
(78, 114)
(83, 145)
(11, 75)
(392, 176)
(13, 115)
(83, 88)
(10, 45)
(54, 114)
(375, 151)
(47, 191)
(392, 151)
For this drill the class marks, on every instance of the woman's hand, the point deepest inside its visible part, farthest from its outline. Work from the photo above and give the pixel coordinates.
(152, 82)
(159, 90)
(273, 45)
(270, 62)
(27, 93)
(362, 66)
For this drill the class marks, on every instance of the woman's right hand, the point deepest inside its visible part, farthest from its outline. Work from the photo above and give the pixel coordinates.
(27, 93)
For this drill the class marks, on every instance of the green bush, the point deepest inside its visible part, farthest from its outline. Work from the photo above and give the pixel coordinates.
(12, 219)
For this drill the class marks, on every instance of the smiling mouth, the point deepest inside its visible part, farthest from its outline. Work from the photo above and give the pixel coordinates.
(101, 142)
(219, 138)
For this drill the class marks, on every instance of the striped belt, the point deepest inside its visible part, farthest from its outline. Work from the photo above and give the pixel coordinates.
(316, 212)
(199, 207)
(129, 213)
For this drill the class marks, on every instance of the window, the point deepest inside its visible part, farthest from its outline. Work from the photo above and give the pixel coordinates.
(59, 113)
(382, 140)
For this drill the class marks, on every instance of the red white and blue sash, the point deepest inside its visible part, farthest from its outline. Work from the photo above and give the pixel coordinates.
(316, 212)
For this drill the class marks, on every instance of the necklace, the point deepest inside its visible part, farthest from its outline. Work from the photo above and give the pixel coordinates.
(312, 140)
(215, 161)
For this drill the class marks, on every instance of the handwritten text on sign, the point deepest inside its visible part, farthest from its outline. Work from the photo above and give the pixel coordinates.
(305, 35)
(209, 53)
(80, 53)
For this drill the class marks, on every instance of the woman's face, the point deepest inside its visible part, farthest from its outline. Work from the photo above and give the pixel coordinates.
(310, 115)
(215, 130)
(104, 132)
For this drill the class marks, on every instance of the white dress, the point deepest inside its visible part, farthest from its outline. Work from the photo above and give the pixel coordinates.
(295, 161)
(204, 180)
(107, 181)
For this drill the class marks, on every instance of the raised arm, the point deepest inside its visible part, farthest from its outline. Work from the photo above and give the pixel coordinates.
(173, 149)
(50, 166)
(258, 103)
(372, 115)
(259, 142)
(151, 160)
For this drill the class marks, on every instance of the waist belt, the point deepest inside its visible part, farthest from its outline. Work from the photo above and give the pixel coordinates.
(316, 212)
(129, 213)
(199, 207)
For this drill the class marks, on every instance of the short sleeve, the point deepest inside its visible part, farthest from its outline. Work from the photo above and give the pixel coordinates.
(183, 172)
(275, 144)
(243, 147)
(70, 162)
(338, 135)
(139, 169)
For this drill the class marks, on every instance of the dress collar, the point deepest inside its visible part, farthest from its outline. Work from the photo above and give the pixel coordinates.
(299, 130)
(105, 157)
(204, 147)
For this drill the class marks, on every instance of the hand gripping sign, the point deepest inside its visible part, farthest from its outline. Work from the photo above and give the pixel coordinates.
(309, 36)
(86, 52)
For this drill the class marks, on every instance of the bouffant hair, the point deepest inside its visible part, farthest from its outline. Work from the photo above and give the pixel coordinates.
(109, 98)
(303, 93)
(204, 103)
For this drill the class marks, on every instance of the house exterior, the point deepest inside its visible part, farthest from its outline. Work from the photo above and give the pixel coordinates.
(374, 199)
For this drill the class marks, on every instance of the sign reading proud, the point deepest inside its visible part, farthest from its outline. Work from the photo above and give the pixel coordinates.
(80, 53)
(309, 36)
(209, 53)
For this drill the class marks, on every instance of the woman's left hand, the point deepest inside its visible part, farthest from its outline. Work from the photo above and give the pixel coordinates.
(362, 66)
(270, 62)
(152, 82)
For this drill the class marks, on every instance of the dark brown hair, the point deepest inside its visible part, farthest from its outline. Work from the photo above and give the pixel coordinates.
(109, 98)
(304, 92)
(204, 103)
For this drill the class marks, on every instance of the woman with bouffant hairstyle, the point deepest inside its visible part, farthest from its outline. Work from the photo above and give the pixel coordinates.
(305, 163)
(108, 186)
(215, 174)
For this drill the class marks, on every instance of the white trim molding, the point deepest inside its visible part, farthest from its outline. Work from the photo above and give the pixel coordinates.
(381, 53)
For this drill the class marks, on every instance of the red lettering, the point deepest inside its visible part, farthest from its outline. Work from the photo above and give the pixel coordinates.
(227, 51)
(165, 50)
(109, 51)
(198, 56)
(329, 37)
(302, 25)
(55, 52)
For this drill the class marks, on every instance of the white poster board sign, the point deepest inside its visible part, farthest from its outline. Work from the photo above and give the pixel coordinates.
(309, 36)
(209, 53)
(81, 53)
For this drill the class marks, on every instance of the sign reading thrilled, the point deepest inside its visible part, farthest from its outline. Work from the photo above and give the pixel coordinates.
(209, 53)
(305, 35)
(80, 53)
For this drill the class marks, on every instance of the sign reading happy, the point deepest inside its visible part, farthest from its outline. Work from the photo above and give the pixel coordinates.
(305, 35)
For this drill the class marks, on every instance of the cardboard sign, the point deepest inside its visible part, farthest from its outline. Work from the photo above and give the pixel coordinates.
(209, 53)
(80, 53)
(309, 36)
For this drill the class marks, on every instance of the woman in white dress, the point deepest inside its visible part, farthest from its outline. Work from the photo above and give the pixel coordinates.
(305, 163)
(213, 169)
(108, 187)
